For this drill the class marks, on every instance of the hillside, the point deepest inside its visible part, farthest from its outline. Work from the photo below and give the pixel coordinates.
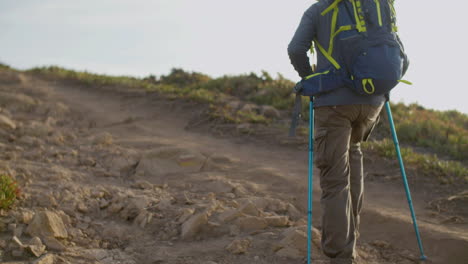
(185, 168)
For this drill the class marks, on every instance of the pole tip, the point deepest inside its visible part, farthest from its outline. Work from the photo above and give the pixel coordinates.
(423, 258)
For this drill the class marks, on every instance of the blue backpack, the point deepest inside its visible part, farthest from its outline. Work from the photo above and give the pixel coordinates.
(369, 56)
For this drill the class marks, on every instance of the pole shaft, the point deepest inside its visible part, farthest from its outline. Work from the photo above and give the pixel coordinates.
(310, 182)
(405, 180)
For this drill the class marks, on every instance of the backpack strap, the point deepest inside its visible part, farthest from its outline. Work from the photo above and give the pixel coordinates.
(392, 15)
(379, 12)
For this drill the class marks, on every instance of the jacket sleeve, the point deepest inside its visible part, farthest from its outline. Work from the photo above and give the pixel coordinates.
(301, 43)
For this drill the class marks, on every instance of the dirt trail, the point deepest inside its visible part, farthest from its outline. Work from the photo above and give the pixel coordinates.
(143, 146)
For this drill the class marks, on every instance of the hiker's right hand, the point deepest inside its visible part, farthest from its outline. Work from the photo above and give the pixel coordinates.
(298, 88)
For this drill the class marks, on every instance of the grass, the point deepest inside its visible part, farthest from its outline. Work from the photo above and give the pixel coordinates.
(9, 191)
(429, 164)
(444, 132)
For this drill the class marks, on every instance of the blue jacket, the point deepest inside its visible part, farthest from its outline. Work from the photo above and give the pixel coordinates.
(315, 26)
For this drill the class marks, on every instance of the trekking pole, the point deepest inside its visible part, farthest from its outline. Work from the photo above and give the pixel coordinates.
(310, 183)
(405, 180)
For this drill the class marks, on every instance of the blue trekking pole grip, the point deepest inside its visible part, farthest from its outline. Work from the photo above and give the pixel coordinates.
(405, 180)
(310, 181)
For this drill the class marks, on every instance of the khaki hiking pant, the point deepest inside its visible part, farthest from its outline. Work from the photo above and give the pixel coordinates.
(338, 136)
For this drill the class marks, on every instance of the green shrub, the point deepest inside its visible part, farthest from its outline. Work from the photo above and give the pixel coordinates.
(9, 191)
(428, 164)
(444, 132)
(4, 66)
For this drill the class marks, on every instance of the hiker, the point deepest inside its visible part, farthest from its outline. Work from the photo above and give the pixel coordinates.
(343, 117)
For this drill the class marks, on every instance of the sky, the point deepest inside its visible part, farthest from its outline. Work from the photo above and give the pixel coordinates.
(219, 37)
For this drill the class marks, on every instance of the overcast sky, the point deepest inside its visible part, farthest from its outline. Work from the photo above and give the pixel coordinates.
(217, 37)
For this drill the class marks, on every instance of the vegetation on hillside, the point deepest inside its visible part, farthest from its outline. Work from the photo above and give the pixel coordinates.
(428, 164)
(442, 132)
(9, 191)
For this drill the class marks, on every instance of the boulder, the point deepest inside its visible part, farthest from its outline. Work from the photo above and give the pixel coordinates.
(47, 223)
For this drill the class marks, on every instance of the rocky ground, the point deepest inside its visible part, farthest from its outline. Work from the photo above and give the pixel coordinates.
(99, 189)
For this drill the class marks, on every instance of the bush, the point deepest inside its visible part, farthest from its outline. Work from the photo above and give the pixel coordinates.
(428, 164)
(444, 132)
(9, 191)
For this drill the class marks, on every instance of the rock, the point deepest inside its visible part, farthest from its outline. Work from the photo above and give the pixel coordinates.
(6, 123)
(192, 226)
(53, 244)
(277, 221)
(250, 209)
(316, 237)
(239, 246)
(16, 243)
(46, 259)
(47, 223)
(104, 138)
(252, 223)
(143, 219)
(36, 250)
(164, 204)
(82, 208)
(270, 112)
(293, 212)
(134, 207)
(289, 252)
(229, 215)
(294, 243)
(144, 185)
(35, 241)
(25, 217)
(185, 213)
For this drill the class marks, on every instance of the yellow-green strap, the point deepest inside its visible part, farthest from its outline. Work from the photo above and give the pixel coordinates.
(341, 29)
(315, 74)
(331, 7)
(327, 56)
(371, 83)
(393, 15)
(332, 31)
(379, 13)
(359, 23)
(405, 82)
